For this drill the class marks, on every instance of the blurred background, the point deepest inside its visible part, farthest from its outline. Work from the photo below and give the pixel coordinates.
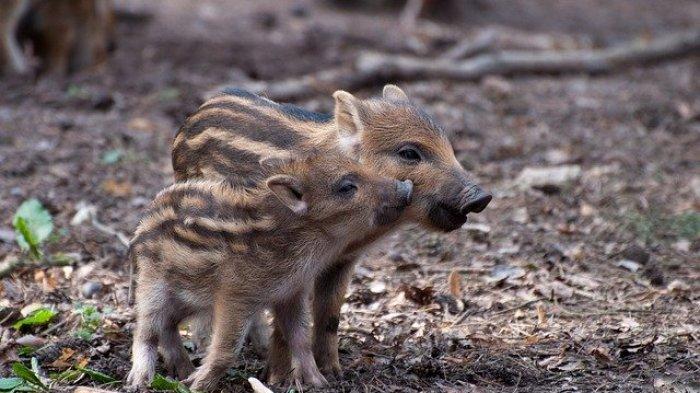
(582, 272)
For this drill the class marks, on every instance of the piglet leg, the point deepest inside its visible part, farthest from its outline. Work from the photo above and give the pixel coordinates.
(231, 321)
(291, 318)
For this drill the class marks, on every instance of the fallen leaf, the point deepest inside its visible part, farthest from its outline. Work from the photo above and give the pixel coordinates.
(421, 296)
(601, 353)
(541, 315)
(117, 188)
(63, 362)
(455, 283)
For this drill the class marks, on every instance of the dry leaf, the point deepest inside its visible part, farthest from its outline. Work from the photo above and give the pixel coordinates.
(541, 315)
(63, 362)
(117, 188)
(421, 296)
(601, 353)
(455, 282)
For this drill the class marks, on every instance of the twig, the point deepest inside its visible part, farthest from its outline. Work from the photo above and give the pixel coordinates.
(527, 62)
(375, 68)
(105, 229)
(467, 314)
(472, 46)
(9, 266)
(410, 14)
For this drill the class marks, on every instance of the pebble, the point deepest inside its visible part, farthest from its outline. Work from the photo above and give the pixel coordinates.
(7, 235)
(549, 180)
(635, 253)
(91, 288)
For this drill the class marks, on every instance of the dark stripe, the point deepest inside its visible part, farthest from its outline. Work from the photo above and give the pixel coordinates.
(262, 129)
(288, 109)
(303, 114)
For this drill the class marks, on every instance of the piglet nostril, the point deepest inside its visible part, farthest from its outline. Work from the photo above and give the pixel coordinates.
(405, 191)
(477, 203)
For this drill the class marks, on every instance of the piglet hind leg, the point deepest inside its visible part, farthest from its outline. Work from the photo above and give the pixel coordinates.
(231, 321)
(279, 363)
(291, 316)
(329, 294)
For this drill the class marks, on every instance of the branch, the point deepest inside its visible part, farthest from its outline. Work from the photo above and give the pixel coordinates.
(472, 46)
(376, 68)
(526, 62)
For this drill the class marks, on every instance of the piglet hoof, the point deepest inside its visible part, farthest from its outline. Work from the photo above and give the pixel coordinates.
(310, 376)
(332, 370)
(201, 380)
(275, 377)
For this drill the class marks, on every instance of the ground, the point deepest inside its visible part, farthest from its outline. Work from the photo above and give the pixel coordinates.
(591, 285)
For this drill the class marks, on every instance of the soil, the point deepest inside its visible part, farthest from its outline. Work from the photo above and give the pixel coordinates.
(590, 285)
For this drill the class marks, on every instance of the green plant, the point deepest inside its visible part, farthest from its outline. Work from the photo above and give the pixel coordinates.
(39, 317)
(161, 383)
(30, 381)
(33, 226)
(653, 226)
(90, 319)
(112, 156)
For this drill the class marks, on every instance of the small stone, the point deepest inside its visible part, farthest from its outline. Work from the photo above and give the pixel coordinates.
(90, 289)
(635, 253)
(628, 265)
(549, 180)
(377, 287)
(7, 235)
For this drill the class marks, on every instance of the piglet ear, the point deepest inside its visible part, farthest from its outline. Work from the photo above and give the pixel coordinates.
(348, 118)
(289, 191)
(394, 93)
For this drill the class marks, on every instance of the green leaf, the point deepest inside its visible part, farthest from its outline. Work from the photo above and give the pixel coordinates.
(39, 317)
(33, 225)
(26, 350)
(7, 384)
(112, 156)
(28, 375)
(162, 383)
(69, 375)
(97, 376)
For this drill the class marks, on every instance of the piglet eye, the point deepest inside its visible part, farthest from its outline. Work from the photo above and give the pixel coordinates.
(347, 188)
(410, 153)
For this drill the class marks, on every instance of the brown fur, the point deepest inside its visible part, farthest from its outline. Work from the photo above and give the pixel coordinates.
(66, 35)
(210, 245)
(377, 131)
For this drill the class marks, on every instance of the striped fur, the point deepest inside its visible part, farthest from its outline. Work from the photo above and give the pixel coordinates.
(207, 244)
(391, 135)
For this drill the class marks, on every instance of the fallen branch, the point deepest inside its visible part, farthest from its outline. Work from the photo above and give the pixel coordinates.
(528, 62)
(472, 46)
(376, 68)
(10, 264)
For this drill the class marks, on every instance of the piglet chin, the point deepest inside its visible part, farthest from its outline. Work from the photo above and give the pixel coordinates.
(445, 218)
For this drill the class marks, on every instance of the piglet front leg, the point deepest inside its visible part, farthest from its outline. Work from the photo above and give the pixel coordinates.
(291, 319)
(231, 320)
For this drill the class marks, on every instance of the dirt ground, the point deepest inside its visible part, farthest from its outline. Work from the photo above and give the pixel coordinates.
(587, 286)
